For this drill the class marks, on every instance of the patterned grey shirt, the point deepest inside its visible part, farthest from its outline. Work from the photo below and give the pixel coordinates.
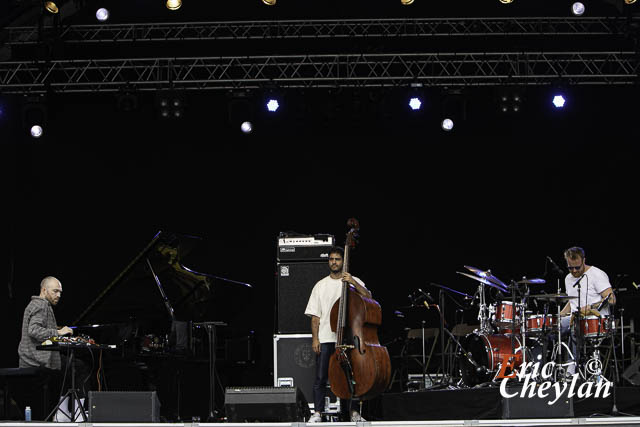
(38, 324)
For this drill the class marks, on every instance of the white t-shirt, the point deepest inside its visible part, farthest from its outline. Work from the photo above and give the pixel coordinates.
(324, 294)
(592, 285)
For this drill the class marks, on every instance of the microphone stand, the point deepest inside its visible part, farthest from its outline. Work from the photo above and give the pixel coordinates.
(441, 295)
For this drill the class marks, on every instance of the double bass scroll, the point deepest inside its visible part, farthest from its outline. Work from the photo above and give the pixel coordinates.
(360, 367)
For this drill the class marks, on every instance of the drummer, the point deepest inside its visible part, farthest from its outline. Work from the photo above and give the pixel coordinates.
(595, 295)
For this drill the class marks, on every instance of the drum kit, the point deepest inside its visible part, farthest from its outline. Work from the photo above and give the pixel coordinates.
(510, 333)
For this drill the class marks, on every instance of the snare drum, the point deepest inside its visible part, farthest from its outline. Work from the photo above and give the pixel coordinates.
(535, 322)
(595, 326)
(505, 313)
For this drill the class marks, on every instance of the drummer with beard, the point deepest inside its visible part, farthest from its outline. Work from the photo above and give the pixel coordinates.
(593, 295)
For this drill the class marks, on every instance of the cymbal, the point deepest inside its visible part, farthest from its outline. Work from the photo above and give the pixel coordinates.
(487, 275)
(532, 282)
(552, 297)
(484, 281)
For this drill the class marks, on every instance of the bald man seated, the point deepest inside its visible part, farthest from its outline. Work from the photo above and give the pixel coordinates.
(38, 324)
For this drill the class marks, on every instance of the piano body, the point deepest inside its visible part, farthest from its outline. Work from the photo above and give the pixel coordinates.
(153, 312)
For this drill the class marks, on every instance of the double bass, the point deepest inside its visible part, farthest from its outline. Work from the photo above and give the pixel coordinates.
(360, 367)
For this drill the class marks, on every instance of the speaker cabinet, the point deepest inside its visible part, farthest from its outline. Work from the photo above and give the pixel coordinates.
(267, 404)
(535, 407)
(632, 373)
(295, 282)
(294, 364)
(124, 406)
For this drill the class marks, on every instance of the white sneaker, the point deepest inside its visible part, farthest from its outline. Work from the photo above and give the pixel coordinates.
(356, 417)
(315, 418)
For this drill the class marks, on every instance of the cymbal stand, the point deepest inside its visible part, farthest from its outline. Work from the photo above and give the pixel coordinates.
(483, 316)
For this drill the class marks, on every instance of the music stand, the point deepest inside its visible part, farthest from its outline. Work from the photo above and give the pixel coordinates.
(211, 334)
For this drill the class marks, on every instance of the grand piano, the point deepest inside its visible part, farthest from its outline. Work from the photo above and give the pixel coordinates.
(165, 319)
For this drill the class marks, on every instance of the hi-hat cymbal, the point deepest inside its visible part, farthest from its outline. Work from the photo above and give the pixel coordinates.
(483, 280)
(553, 297)
(532, 282)
(486, 274)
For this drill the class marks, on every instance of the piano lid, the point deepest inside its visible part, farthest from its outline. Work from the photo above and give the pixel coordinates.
(157, 285)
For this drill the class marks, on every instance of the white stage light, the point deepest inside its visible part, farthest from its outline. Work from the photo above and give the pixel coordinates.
(447, 124)
(559, 101)
(246, 127)
(577, 8)
(415, 103)
(36, 131)
(102, 14)
(273, 105)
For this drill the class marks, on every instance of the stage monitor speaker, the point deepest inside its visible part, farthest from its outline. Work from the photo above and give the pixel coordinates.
(535, 407)
(632, 373)
(266, 404)
(295, 282)
(124, 406)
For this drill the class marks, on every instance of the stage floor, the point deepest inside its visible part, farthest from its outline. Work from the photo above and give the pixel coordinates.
(592, 422)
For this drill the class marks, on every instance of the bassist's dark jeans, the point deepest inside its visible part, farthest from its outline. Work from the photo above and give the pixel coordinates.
(322, 377)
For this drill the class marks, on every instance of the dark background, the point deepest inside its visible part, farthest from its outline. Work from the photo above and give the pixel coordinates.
(499, 192)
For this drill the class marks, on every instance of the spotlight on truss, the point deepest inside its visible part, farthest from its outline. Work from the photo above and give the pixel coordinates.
(577, 8)
(447, 125)
(246, 127)
(102, 14)
(51, 7)
(558, 101)
(174, 4)
(415, 103)
(273, 105)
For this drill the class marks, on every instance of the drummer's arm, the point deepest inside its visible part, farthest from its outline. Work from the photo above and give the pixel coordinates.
(566, 310)
(606, 294)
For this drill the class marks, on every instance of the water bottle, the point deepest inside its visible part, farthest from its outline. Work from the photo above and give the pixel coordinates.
(27, 413)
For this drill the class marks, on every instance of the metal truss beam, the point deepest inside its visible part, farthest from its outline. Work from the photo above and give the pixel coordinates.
(317, 71)
(360, 28)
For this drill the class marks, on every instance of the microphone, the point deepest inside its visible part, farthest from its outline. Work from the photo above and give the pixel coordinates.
(578, 281)
(555, 266)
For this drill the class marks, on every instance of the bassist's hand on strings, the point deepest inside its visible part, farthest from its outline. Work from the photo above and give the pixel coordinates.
(347, 277)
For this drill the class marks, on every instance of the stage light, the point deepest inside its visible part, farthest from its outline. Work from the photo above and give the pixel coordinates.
(559, 101)
(174, 4)
(273, 105)
(415, 103)
(447, 124)
(36, 131)
(578, 8)
(269, 2)
(406, 2)
(629, 1)
(506, 1)
(51, 7)
(246, 127)
(102, 14)
(170, 104)
(510, 101)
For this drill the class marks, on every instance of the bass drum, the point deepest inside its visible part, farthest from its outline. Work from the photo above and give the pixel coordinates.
(485, 355)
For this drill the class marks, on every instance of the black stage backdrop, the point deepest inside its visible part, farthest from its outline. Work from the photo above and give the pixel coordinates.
(498, 192)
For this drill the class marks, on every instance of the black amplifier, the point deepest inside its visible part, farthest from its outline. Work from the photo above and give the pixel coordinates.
(304, 248)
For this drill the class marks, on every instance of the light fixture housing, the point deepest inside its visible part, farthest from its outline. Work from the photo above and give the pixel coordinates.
(51, 7)
(406, 2)
(174, 4)
(269, 2)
